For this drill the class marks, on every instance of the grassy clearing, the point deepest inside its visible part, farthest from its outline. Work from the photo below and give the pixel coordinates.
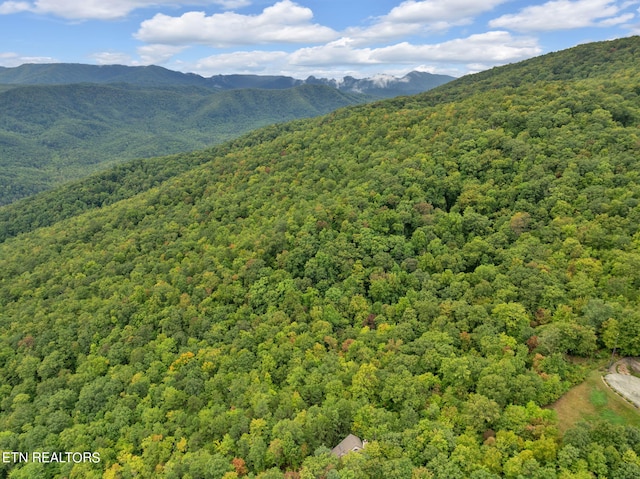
(594, 400)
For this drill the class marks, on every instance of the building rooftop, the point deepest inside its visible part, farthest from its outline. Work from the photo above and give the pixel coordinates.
(348, 444)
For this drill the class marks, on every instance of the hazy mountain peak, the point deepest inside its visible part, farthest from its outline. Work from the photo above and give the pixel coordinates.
(382, 85)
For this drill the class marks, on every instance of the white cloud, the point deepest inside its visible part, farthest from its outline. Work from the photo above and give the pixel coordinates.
(12, 59)
(157, 54)
(283, 63)
(399, 39)
(339, 52)
(561, 15)
(283, 22)
(336, 58)
(242, 62)
(86, 8)
(619, 20)
(8, 8)
(147, 55)
(102, 9)
(490, 48)
(384, 31)
(420, 17)
(113, 58)
(439, 10)
(229, 4)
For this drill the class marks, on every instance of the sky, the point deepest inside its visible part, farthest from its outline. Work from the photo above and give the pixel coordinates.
(299, 38)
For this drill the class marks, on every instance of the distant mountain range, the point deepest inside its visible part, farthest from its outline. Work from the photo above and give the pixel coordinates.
(382, 86)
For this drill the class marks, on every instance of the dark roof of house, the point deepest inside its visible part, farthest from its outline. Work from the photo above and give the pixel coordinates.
(347, 445)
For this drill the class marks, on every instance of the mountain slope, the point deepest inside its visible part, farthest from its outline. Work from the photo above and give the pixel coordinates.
(66, 73)
(51, 134)
(412, 274)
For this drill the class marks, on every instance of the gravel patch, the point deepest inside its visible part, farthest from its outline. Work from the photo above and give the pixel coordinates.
(626, 385)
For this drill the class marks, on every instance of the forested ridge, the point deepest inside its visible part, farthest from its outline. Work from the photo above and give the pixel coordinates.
(427, 273)
(51, 134)
(380, 86)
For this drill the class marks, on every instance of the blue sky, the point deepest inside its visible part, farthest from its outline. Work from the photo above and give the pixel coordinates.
(329, 38)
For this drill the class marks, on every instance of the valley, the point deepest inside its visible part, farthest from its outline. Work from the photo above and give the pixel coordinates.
(63, 122)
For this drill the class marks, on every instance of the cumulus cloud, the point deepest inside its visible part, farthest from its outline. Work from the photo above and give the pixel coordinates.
(102, 9)
(563, 15)
(283, 22)
(420, 17)
(339, 52)
(383, 31)
(491, 48)
(396, 40)
(439, 10)
(340, 57)
(256, 61)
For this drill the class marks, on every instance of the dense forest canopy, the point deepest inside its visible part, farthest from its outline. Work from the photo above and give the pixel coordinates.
(62, 122)
(51, 134)
(427, 273)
